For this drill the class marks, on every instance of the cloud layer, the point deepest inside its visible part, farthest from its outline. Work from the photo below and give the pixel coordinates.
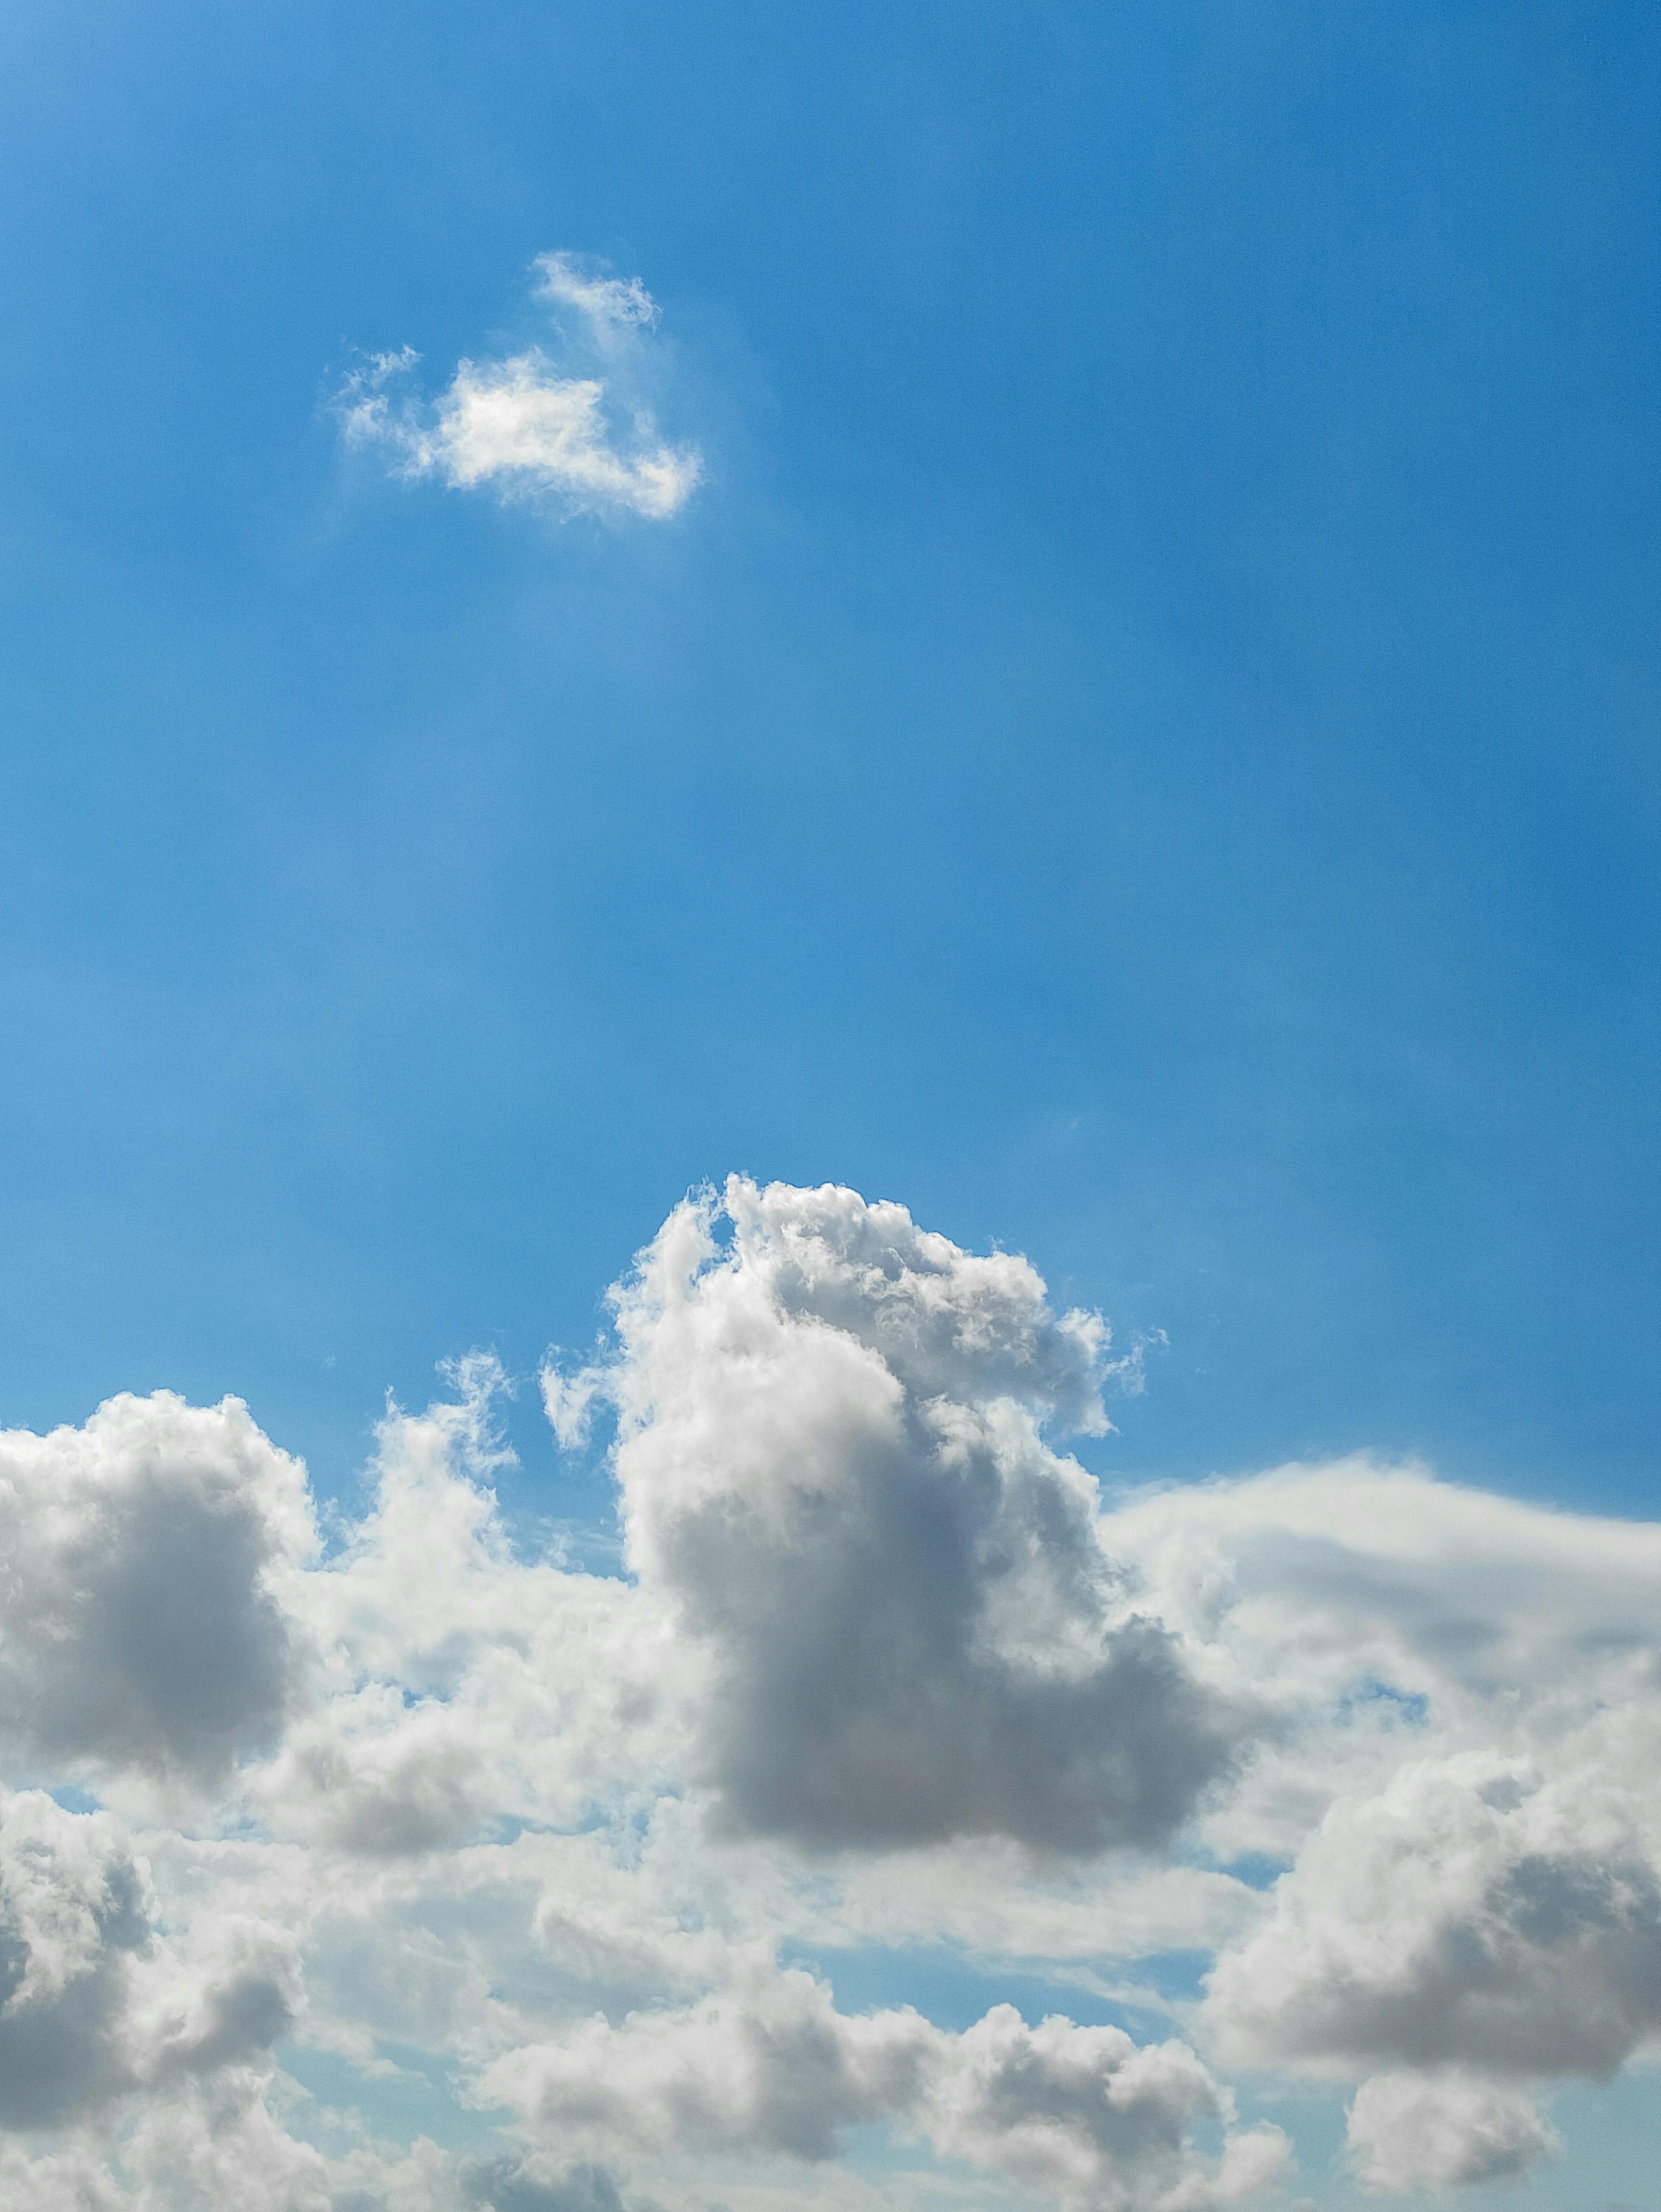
(524, 425)
(418, 1872)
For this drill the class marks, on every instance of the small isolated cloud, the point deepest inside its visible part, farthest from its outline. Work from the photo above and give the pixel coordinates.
(527, 426)
(609, 304)
(1443, 2132)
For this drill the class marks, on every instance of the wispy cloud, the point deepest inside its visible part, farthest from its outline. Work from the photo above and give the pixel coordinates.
(609, 303)
(525, 426)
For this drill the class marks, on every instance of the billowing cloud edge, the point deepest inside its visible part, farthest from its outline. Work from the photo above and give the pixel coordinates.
(551, 1831)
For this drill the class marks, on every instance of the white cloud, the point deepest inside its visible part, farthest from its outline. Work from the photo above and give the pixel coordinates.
(95, 2000)
(1469, 1914)
(1080, 2114)
(462, 1686)
(1411, 2132)
(141, 1625)
(1464, 1777)
(767, 2064)
(542, 1852)
(72, 1913)
(525, 426)
(1083, 2115)
(605, 303)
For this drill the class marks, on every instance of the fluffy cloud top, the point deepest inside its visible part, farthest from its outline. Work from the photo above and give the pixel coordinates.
(526, 426)
(1410, 2131)
(140, 1619)
(436, 1824)
(831, 1462)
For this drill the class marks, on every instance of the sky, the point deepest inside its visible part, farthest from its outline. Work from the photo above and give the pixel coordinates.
(832, 833)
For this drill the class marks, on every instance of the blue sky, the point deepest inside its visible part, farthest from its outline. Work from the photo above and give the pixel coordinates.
(1140, 746)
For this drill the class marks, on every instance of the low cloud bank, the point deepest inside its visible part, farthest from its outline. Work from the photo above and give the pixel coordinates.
(438, 1826)
(1081, 2115)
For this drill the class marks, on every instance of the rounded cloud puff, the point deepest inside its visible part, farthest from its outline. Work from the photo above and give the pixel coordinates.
(1443, 2132)
(1467, 1915)
(140, 1627)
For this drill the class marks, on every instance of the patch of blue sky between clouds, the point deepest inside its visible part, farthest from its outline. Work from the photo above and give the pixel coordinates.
(334, 2104)
(954, 1990)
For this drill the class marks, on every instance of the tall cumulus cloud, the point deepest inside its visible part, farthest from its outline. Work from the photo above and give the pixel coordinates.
(833, 1461)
